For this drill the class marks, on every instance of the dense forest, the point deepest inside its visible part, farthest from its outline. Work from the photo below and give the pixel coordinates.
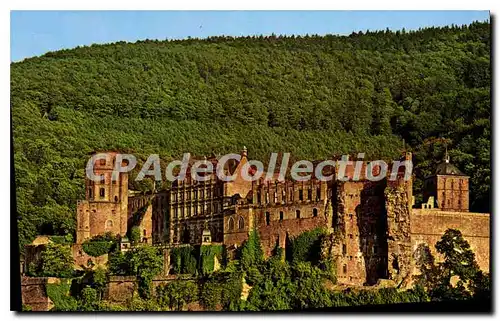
(314, 96)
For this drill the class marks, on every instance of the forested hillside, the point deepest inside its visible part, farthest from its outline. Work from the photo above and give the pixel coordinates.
(313, 96)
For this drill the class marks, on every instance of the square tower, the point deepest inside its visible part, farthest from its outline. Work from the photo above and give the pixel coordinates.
(105, 206)
(449, 186)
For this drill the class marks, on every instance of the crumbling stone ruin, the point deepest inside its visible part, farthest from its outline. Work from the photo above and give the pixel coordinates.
(374, 227)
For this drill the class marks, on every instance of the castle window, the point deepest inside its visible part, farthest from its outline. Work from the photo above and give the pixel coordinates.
(102, 192)
(109, 224)
(449, 202)
(318, 194)
(281, 215)
(375, 250)
(344, 249)
(297, 213)
(301, 195)
(230, 224)
(241, 223)
(258, 197)
(268, 218)
(309, 194)
(344, 269)
(275, 197)
(315, 212)
(144, 232)
(90, 192)
(116, 199)
(350, 236)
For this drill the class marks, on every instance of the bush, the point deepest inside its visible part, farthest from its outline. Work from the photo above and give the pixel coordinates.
(184, 260)
(177, 294)
(60, 296)
(56, 260)
(100, 245)
(135, 234)
(221, 290)
(306, 246)
(207, 256)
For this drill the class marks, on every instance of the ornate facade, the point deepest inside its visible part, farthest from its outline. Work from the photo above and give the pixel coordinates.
(377, 229)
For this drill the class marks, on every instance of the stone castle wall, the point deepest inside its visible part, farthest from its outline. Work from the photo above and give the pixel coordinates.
(429, 225)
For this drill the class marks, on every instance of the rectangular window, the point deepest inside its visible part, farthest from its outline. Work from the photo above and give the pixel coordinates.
(301, 195)
(281, 215)
(344, 249)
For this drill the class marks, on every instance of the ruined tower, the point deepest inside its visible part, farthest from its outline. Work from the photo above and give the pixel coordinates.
(105, 206)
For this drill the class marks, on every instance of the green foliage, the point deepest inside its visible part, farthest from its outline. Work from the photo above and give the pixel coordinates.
(59, 293)
(221, 290)
(56, 260)
(26, 308)
(177, 294)
(118, 263)
(459, 263)
(251, 253)
(143, 305)
(306, 246)
(208, 253)
(350, 297)
(184, 260)
(100, 244)
(88, 299)
(97, 248)
(60, 239)
(313, 96)
(145, 262)
(135, 234)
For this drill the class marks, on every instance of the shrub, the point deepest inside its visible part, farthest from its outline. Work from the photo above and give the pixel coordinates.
(100, 245)
(60, 296)
(177, 294)
(57, 260)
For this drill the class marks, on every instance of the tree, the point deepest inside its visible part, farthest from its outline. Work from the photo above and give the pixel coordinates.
(88, 299)
(177, 294)
(135, 234)
(145, 262)
(458, 277)
(57, 260)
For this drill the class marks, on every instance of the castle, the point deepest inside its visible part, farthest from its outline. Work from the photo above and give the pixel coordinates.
(377, 230)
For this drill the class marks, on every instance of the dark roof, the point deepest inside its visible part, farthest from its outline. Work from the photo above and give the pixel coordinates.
(445, 168)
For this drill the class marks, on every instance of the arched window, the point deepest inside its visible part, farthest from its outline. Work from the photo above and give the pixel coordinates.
(102, 193)
(297, 213)
(268, 218)
(315, 212)
(109, 224)
(230, 224)
(116, 199)
(281, 215)
(241, 223)
(344, 269)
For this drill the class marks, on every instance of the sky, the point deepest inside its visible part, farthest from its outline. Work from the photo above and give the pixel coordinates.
(34, 33)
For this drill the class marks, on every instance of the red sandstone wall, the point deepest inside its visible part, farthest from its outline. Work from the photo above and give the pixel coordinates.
(428, 226)
(81, 258)
(33, 293)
